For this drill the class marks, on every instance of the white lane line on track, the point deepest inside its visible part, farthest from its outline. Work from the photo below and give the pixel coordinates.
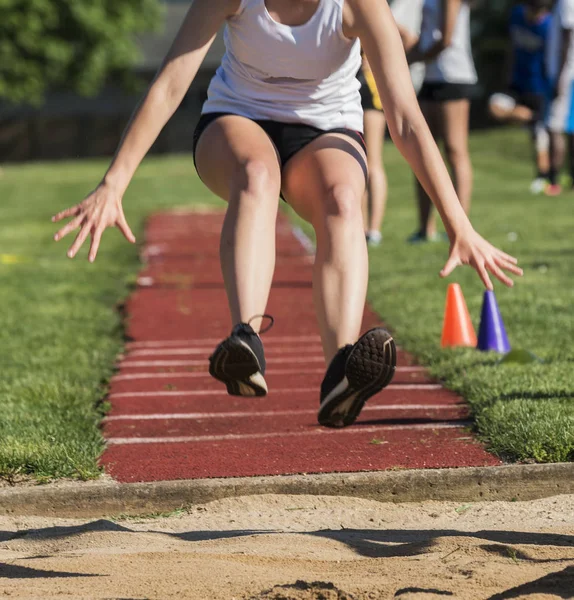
(125, 364)
(284, 434)
(225, 396)
(269, 340)
(274, 350)
(270, 413)
(304, 240)
(222, 393)
(187, 375)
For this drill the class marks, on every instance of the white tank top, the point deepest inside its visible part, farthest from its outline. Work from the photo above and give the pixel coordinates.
(455, 63)
(292, 74)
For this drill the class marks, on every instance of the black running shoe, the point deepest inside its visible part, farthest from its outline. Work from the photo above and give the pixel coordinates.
(356, 373)
(239, 362)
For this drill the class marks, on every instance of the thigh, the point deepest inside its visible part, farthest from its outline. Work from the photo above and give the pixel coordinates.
(375, 128)
(330, 161)
(454, 121)
(226, 150)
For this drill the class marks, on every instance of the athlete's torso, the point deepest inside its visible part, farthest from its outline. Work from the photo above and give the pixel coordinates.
(293, 74)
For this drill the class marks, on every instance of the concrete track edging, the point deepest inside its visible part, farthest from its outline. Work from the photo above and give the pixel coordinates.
(98, 499)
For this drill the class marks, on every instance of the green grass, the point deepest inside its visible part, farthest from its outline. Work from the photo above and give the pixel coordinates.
(60, 329)
(524, 413)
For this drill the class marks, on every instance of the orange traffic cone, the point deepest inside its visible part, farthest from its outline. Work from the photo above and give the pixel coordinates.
(457, 329)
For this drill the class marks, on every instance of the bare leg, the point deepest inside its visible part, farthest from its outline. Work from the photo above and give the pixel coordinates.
(557, 155)
(518, 114)
(238, 162)
(325, 184)
(571, 156)
(455, 115)
(375, 127)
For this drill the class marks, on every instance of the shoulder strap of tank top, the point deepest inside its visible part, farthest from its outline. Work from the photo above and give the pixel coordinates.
(337, 5)
(245, 4)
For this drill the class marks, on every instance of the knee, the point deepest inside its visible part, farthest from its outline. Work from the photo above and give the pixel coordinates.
(342, 202)
(375, 169)
(256, 178)
(456, 154)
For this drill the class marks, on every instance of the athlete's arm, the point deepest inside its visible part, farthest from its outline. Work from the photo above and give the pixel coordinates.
(372, 22)
(103, 207)
(450, 10)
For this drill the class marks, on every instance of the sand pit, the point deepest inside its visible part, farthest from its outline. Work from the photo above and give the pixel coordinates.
(299, 548)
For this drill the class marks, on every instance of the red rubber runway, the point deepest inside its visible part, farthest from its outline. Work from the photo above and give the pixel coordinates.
(170, 420)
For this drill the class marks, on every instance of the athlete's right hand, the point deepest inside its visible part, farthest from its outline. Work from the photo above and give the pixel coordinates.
(101, 209)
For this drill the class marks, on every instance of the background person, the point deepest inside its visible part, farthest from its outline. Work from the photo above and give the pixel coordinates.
(408, 13)
(528, 88)
(560, 68)
(450, 78)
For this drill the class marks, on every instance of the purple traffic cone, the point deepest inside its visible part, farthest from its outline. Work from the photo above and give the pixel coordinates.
(492, 335)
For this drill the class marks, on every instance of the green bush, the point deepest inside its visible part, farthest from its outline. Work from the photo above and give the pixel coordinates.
(69, 44)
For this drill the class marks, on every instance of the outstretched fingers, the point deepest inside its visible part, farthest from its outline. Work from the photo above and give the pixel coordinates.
(64, 214)
(506, 257)
(80, 239)
(483, 274)
(96, 237)
(512, 268)
(73, 224)
(451, 264)
(123, 226)
(499, 273)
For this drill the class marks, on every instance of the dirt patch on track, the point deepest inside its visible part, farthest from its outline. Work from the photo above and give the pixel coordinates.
(299, 548)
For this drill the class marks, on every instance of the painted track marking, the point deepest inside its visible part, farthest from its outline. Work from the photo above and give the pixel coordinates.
(255, 436)
(276, 413)
(310, 390)
(215, 341)
(184, 375)
(312, 349)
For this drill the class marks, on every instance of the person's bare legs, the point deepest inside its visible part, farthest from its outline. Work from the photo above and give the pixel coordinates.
(324, 183)
(237, 161)
(376, 196)
(517, 114)
(454, 120)
(541, 150)
(427, 224)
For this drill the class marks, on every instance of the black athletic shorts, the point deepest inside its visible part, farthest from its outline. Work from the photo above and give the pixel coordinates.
(288, 138)
(370, 99)
(446, 92)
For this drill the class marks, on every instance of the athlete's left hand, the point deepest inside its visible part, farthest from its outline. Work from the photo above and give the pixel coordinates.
(472, 249)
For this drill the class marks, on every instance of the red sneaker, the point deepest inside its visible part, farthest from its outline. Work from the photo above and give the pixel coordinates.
(553, 189)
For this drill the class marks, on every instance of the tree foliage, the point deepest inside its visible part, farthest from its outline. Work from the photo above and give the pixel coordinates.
(68, 44)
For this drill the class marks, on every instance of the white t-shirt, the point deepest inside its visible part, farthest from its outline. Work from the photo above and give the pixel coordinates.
(409, 14)
(454, 64)
(563, 18)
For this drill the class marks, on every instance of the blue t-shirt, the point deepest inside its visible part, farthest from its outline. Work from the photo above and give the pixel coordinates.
(528, 46)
